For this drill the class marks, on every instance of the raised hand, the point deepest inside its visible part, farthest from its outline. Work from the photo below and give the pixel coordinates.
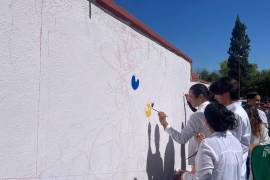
(162, 119)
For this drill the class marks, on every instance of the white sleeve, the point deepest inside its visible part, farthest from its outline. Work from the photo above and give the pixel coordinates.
(193, 126)
(264, 139)
(245, 135)
(263, 117)
(204, 162)
(188, 176)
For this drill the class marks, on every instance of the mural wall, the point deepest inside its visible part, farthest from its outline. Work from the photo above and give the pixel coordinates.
(74, 86)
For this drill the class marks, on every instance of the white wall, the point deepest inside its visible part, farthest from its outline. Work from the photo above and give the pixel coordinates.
(67, 109)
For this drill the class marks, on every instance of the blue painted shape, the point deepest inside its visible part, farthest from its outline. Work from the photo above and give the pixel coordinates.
(134, 82)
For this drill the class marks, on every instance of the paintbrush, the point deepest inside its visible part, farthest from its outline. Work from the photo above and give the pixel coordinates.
(152, 105)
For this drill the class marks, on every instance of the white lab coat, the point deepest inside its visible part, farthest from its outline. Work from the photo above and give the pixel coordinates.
(263, 117)
(219, 158)
(193, 144)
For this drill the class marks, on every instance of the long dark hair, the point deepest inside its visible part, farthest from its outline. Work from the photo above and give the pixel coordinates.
(219, 118)
(254, 118)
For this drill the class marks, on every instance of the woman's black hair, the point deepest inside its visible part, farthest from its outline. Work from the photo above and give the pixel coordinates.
(219, 118)
(198, 89)
(193, 109)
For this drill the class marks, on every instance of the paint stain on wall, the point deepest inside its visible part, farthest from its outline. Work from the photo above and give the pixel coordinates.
(148, 110)
(134, 83)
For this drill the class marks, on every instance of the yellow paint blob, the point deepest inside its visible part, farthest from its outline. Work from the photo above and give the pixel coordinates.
(148, 110)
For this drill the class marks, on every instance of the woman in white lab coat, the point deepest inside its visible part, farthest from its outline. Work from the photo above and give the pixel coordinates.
(220, 155)
(259, 132)
(198, 97)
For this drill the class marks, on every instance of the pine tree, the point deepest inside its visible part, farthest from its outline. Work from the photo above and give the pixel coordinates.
(238, 53)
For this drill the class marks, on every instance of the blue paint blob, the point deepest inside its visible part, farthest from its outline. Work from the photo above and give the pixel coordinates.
(134, 82)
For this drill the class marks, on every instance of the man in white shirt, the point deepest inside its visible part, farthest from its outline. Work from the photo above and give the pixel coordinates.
(226, 92)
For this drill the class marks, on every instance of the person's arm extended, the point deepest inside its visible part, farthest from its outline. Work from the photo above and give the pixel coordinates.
(192, 128)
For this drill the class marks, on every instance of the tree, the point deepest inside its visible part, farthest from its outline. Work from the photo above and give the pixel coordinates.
(208, 76)
(204, 74)
(224, 68)
(238, 54)
(263, 83)
(213, 76)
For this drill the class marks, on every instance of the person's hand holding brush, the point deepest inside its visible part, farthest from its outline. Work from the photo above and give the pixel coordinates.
(162, 118)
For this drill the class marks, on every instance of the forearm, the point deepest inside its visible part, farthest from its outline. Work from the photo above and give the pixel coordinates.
(180, 137)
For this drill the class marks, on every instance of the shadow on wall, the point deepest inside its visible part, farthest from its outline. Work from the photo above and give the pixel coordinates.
(183, 154)
(154, 166)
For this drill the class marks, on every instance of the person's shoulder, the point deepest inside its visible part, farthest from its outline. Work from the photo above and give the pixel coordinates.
(240, 113)
(209, 144)
(210, 140)
(234, 141)
(205, 142)
(197, 116)
(262, 116)
(216, 142)
(231, 136)
(261, 112)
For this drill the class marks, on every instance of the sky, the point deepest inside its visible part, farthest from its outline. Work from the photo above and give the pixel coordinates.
(202, 28)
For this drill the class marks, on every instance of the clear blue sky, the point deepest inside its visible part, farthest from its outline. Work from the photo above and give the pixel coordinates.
(202, 28)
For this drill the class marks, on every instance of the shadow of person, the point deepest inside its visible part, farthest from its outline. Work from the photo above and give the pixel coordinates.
(154, 164)
(169, 160)
(183, 153)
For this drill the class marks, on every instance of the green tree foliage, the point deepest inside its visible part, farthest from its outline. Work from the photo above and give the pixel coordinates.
(208, 76)
(224, 68)
(257, 80)
(204, 74)
(213, 76)
(262, 83)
